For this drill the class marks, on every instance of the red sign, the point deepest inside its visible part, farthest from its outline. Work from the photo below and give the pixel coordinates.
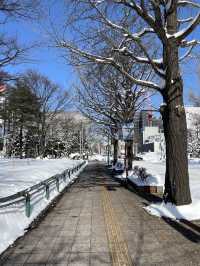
(2, 88)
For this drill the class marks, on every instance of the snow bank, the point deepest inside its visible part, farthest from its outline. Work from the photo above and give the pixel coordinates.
(19, 174)
(151, 157)
(150, 181)
(156, 167)
(187, 212)
(16, 175)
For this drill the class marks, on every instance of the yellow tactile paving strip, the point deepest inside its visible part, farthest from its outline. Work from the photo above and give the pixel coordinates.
(117, 245)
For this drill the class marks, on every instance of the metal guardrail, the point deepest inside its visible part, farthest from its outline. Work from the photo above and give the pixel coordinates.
(25, 195)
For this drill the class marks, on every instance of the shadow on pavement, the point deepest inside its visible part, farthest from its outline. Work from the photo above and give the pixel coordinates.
(186, 229)
(189, 230)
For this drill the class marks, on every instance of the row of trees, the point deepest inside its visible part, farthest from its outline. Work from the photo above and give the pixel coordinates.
(108, 31)
(32, 103)
(35, 124)
(111, 100)
(123, 36)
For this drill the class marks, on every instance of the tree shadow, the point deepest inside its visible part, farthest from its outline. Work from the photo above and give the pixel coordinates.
(188, 229)
(185, 228)
(150, 198)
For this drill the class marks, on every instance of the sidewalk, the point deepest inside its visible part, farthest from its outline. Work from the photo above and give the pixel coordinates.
(99, 222)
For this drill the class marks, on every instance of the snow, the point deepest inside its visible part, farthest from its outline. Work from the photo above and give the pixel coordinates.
(19, 174)
(187, 212)
(98, 157)
(156, 168)
(151, 181)
(16, 175)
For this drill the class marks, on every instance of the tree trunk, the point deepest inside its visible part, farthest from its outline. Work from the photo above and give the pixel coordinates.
(115, 147)
(174, 122)
(129, 150)
(176, 178)
(42, 144)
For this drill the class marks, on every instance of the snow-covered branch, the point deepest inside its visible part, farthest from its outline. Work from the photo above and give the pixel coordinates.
(188, 3)
(186, 54)
(192, 43)
(185, 32)
(180, 21)
(109, 61)
(143, 32)
(156, 64)
(146, 16)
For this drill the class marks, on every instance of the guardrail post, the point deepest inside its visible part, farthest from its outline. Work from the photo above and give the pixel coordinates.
(64, 176)
(57, 183)
(28, 204)
(47, 191)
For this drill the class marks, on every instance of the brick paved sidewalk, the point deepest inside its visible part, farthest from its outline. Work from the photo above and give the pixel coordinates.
(99, 222)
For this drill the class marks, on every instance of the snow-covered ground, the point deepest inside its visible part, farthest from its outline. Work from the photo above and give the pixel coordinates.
(17, 175)
(156, 168)
(99, 157)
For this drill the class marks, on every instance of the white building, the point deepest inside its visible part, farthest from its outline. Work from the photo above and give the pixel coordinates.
(192, 116)
(153, 139)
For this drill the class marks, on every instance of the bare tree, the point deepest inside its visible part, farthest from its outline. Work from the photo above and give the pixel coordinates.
(10, 50)
(111, 99)
(170, 23)
(53, 100)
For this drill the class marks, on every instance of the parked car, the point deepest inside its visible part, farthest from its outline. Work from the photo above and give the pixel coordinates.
(137, 158)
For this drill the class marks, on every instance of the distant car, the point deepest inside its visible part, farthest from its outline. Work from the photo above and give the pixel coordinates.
(137, 158)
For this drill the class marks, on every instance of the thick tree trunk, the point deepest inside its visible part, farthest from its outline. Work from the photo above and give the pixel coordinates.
(174, 122)
(129, 150)
(115, 152)
(176, 178)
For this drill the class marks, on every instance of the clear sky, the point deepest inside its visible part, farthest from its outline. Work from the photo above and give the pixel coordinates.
(49, 61)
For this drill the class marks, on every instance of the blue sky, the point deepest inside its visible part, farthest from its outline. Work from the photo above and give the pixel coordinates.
(48, 60)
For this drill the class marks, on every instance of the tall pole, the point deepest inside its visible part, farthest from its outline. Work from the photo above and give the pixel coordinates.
(126, 160)
(81, 142)
(108, 158)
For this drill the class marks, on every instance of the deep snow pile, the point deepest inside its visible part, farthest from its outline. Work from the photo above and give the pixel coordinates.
(156, 168)
(16, 175)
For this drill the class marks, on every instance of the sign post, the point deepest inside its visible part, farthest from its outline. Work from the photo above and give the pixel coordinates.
(127, 134)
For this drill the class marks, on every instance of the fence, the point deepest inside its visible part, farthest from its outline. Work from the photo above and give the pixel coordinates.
(25, 195)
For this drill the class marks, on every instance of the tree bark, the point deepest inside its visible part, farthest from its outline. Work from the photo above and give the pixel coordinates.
(115, 153)
(129, 150)
(177, 188)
